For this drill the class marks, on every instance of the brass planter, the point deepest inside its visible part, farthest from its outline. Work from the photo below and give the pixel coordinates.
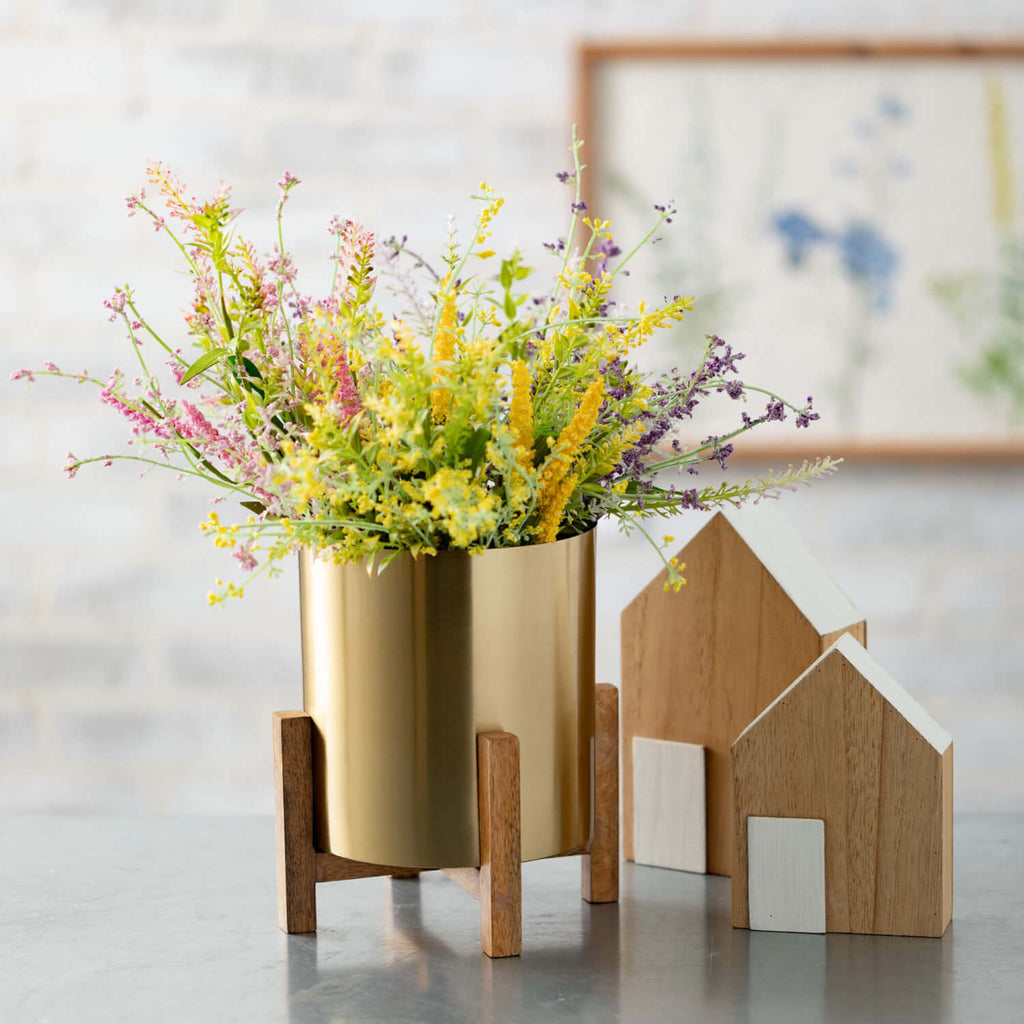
(401, 671)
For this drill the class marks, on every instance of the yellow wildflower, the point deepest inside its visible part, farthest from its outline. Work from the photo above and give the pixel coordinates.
(551, 517)
(521, 415)
(568, 446)
(444, 352)
(404, 335)
(462, 507)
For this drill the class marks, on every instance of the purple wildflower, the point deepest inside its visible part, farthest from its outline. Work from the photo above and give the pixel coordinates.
(805, 415)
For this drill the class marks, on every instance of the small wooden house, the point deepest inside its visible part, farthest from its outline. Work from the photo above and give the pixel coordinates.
(843, 819)
(700, 664)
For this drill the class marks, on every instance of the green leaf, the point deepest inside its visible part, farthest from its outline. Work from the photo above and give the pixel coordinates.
(255, 506)
(251, 368)
(204, 362)
(510, 306)
(475, 445)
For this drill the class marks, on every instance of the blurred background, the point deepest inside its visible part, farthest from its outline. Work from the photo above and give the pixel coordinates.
(120, 691)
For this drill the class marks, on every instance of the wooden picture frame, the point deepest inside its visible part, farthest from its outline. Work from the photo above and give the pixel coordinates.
(597, 60)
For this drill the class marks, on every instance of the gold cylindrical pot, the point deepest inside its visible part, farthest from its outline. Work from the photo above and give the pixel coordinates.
(402, 670)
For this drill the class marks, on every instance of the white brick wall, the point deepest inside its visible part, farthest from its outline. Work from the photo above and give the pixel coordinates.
(119, 689)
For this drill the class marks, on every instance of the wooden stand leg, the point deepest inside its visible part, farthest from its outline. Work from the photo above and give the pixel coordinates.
(500, 879)
(497, 883)
(601, 864)
(293, 797)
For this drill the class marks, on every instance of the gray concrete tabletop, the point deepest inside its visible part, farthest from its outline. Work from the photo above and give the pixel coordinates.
(174, 919)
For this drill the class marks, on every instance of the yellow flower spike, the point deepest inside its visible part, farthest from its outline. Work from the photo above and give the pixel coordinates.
(551, 518)
(570, 440)
(484, 254)
(668, 538)
(444, 352)
(521, 415)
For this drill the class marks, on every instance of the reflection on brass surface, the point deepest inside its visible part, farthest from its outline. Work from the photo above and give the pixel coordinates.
(401, 670)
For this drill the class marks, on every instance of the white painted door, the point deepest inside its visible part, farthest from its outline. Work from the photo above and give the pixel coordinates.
(786, 874)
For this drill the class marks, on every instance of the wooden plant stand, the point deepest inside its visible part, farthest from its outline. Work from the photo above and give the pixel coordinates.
(497, 883)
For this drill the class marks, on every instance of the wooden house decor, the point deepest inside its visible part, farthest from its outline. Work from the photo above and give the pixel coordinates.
(849, 748)
(700, 664)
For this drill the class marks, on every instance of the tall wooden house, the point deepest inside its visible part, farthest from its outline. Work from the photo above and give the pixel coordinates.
(699, 665)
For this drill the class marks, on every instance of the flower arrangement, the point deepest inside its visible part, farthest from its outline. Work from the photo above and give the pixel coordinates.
(486, 415)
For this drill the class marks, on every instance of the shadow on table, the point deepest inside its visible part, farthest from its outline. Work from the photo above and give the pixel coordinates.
(682, 959)
(411, 971)
(668, 952)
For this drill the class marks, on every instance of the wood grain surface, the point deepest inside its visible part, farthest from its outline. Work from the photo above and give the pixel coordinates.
(465, 878)
(293, 799)
(500, 878)
(330, 868)
(832, 747)
(699, 665)
(600, 865)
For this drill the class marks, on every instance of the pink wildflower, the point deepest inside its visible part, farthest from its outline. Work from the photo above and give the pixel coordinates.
(178, 366)
(72, 465)
(196, 425)
(179, 203)
(355, 245)
(282, 266)
(286, 184)
(19, 374)
(115, 304)
(346, 393)
(245, 558)
(141, 421)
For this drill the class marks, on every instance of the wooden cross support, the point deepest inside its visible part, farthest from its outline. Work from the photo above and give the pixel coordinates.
(497, 883)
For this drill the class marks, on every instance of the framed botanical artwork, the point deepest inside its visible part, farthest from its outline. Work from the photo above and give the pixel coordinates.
(849, 215)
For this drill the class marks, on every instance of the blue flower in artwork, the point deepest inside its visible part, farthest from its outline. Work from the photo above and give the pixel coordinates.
(865, 129)
(869, 258)
(893, 107)
(798, 233)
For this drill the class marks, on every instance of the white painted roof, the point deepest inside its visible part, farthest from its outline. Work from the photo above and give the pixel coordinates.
(783, 553)
(884, 683)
